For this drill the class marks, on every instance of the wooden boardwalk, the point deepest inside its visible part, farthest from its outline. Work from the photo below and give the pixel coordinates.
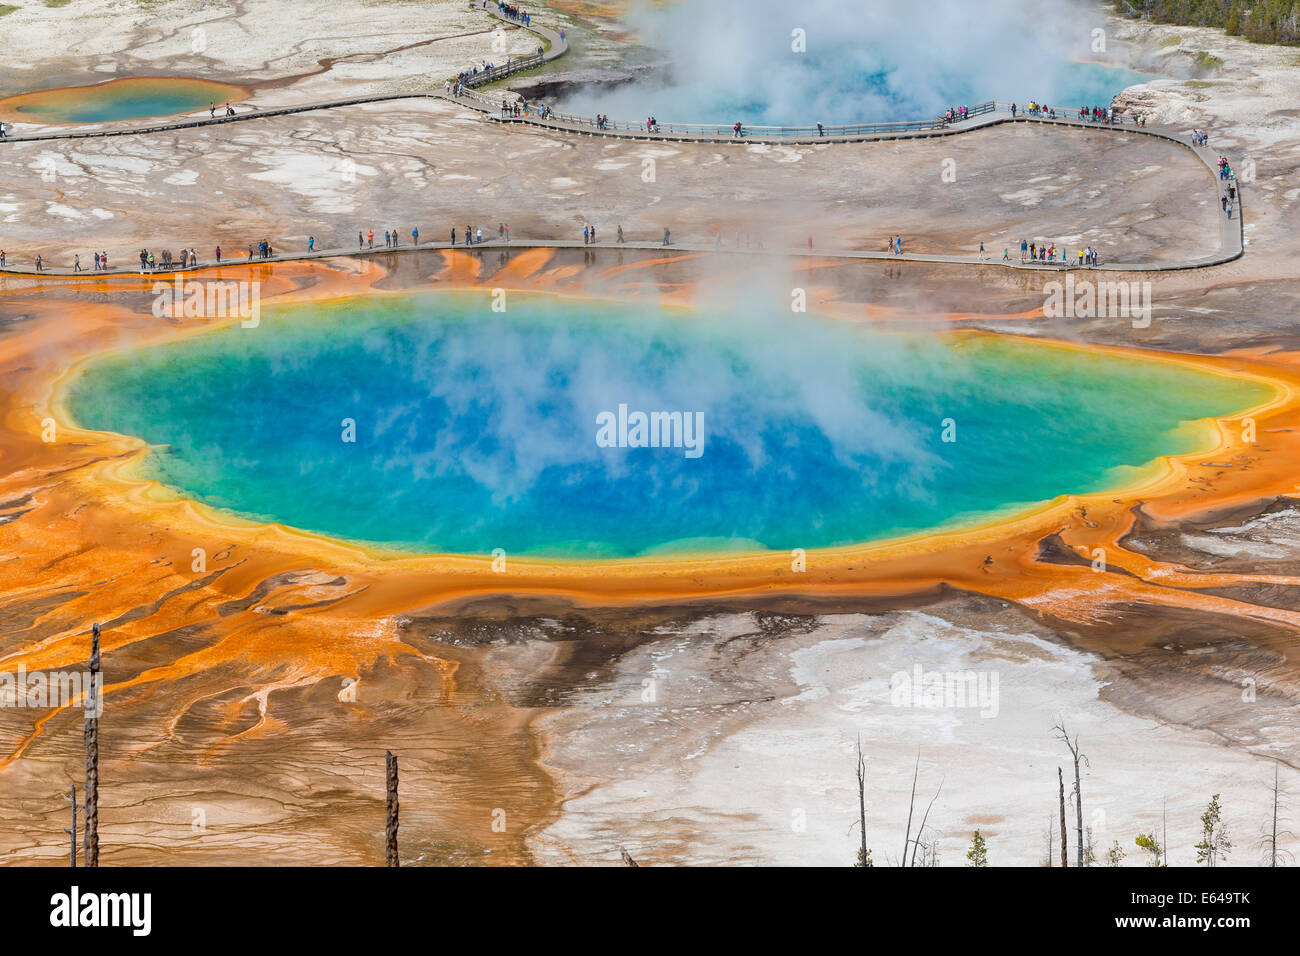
(1231, 237)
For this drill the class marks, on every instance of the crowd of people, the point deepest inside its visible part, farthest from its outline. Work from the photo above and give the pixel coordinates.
(153, 262)
(1104, 115)
(1228, 198)
(511, 12)
(1047, 252)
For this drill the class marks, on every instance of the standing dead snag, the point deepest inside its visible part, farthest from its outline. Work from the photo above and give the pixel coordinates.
(1078, 756)
(72, 833)
(911, 804)
(917, 844)
(1273, 834)
(1065, 856)
(1273, 855)
(390, 825)
(93, 703)
(863, 853)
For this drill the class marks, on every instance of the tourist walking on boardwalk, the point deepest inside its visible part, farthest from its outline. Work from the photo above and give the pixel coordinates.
(76, 263)
(593, 235)
(666, 236)
(396, 241)
(453, 235)
(982, 255)
(415, 236)
(620, 233)
(39, 267)
(2, 258)
(311, 243)
(370, 235)
(586, 235)
(478, 236)
(469, 236)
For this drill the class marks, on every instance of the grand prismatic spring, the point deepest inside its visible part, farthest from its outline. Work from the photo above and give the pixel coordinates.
(539, 415)
(786, 432)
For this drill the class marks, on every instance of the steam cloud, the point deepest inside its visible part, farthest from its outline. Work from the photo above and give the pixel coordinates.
(863, 61)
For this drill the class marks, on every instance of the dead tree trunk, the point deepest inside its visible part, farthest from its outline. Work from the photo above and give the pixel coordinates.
(916, 844)
(390, 825)
(911, 805)
(72, 834)
(93, 702)
(1272, 842)
(1078, 756)
(1065, 856)
(862, 803)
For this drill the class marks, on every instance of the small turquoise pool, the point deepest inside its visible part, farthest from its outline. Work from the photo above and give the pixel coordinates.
(123, 99)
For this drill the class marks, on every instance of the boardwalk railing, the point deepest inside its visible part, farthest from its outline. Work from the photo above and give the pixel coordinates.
(765, 132)
(484, 77)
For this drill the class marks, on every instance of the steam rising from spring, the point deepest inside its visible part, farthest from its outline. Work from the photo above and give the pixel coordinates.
(860, 62)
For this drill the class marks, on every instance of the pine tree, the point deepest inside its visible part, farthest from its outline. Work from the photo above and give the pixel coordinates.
(1149, 843)
(1214, 843)
(1115, 855)
(977, 855)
